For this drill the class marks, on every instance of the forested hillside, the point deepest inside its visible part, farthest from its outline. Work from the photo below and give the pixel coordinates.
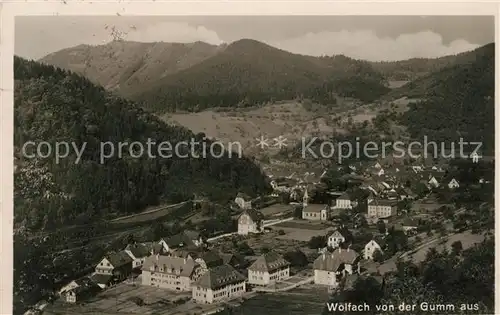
(464, 279)
(124, 66)
(168, 77)
(55, 105)
(248, 72)
(414, 68)
(457, 102)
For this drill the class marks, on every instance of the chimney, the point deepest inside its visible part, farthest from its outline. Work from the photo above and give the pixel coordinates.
(157, 256)
(324, 256)
(184, 260)
(340, 250)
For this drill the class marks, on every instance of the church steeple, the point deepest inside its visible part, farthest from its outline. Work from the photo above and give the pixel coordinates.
(305, 198)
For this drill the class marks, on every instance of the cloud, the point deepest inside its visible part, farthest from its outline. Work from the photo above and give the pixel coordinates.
(39, 36)
(368, 46)
(174, 32)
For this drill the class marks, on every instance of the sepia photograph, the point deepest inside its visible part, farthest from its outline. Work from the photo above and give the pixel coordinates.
(244, 165)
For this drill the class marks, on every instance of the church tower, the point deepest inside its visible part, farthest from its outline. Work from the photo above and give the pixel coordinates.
(305, 198)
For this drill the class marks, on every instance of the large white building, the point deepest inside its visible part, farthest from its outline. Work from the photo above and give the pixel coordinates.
(218, 284)
(345, 201)
(268, 268)
(330, 268)
(168, 272)
(382, 209)
(250, 221)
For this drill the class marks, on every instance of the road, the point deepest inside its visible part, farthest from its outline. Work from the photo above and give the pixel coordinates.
(160, 208)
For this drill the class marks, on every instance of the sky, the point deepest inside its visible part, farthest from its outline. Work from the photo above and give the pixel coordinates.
(373, 38)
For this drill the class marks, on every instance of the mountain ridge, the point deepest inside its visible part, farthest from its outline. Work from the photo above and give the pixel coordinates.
(226, 68)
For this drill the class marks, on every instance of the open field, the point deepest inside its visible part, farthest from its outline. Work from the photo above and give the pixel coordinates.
(289, 119)
(301, 301)
(272, 241)
(275, 210)
(301, 224)
(301, 231)
(425, 206)
(118, 300)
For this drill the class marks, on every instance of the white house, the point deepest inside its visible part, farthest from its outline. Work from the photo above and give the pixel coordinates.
(268, 268)
(453, 184)
(381, 209)
(221, 283)
(250, 221)
(316, 212)
(338, 237)
(185, 239)
(371, 247)
(330, 268)
(119, 265)
(345, 201)
(86, 289)
(138, 253)
(168, 272)
(433, 182)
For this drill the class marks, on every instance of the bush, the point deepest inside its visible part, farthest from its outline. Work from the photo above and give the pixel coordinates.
(281, 232)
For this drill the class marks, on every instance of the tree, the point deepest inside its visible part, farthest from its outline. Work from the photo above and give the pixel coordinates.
(297, 212)
(381, 227)
(244, 249)
(456, 247)
(317, 242)
(378, 256)
(296, 258)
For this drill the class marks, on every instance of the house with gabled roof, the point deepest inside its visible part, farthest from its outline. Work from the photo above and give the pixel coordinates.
(185, 239)
(283, 184)
(119, 265)
(453, 183)
(338, 237)
(330, 268)
(219, 284)
(268, 268)
(85, 289)
(316, 212)
(138, 253)
(168, 272)
(209, 259)
(374, 245)
(72, 285)
(409, 224)
(155, 248)
(250, 221)
(184, 253)
(234, 260)
(103, 281)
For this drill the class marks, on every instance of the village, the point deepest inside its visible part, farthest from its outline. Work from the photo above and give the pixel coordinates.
(301, 235)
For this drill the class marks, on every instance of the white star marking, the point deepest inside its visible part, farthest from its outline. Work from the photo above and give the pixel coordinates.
(262, 142)
(280, 142)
